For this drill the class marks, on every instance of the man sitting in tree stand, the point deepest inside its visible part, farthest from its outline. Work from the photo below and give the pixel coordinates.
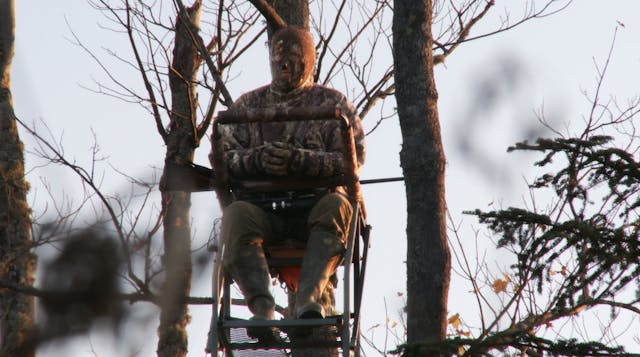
(292, 149)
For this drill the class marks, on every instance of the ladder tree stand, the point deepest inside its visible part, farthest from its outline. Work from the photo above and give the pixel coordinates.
(340, 332)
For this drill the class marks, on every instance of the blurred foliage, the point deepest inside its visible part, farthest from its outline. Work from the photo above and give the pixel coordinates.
(590, 229)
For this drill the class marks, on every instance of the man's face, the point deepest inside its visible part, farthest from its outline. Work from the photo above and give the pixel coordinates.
(287, 66)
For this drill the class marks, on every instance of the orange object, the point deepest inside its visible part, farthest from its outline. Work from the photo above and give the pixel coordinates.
(289, 275)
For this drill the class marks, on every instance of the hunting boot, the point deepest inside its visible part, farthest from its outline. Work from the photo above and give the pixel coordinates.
(322, 255)
(242, 233)
(263, 308)
(248, 268)
(316, 336)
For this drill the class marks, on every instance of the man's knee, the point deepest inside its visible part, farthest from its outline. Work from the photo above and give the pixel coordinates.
(244, 223)
(332, 214)
(240, 212)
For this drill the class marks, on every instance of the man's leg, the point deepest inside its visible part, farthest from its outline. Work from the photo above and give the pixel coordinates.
(244, 228)
(328, 230)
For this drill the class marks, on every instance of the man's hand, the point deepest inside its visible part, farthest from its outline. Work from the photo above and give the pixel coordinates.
(276, 157)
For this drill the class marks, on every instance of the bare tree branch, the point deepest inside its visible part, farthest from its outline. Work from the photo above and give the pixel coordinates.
(202, 49)
(87, 178)
(269, 14)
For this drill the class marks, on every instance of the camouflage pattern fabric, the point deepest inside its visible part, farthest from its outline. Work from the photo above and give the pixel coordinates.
(317, 145)
(302, 149)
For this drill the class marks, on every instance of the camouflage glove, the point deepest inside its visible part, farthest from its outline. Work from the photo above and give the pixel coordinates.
(245, 163)
(314, 163)
(282, 159)
(276, 158)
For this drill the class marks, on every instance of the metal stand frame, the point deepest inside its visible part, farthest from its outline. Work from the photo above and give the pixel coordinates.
(227, 334)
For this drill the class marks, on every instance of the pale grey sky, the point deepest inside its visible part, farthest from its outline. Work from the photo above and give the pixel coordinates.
(551, 61)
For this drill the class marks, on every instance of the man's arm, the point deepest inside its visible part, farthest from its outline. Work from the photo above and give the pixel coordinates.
(356, 128)
(313, 163)
(330, 161)
(242, 159)
(317, 153)
(306, 162)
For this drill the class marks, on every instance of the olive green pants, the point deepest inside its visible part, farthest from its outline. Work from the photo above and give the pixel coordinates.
(246, 228)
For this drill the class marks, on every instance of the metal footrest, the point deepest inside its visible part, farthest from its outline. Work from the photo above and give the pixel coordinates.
(325, 334)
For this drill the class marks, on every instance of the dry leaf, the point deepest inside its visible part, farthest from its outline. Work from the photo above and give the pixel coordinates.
(564, 270)
(579, 309)
(499, 286)
(454, 321)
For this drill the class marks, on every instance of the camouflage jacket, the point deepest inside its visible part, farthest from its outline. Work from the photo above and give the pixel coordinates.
(318, 142)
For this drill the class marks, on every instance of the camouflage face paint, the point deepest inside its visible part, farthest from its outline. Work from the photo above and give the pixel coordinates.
(292, 59)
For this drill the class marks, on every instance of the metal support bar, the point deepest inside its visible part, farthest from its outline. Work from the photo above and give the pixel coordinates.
(222, 323)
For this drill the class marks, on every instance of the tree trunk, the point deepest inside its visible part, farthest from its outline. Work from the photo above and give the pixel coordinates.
(293, 12)
(17, 263)
(423, 164)
(181, 143)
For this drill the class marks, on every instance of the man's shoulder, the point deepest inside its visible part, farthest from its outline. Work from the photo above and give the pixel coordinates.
(327, 91)
(258, 91)
(250, 98)
(321, 95)
(327, 96)
(316, 94)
